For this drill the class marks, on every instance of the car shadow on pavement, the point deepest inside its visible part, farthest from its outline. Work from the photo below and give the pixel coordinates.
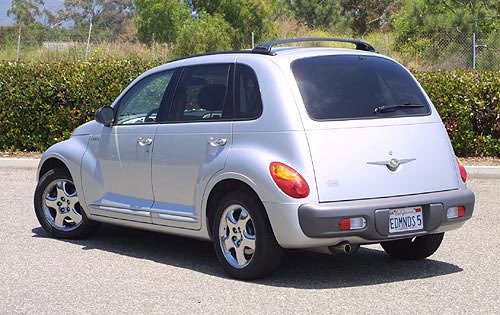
(300, 269)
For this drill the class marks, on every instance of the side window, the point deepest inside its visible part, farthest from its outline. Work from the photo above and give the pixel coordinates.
(248, 103)
(202, 93)
(142, 102)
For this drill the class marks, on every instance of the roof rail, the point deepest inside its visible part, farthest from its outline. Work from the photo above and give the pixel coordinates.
(265, 48)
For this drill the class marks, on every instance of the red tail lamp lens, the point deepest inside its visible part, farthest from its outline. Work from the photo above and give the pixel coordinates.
(463, 172)
(461, 211)
(345, 224)
(289, 180)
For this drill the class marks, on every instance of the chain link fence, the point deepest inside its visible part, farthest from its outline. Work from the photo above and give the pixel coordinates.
(436, 51)
(428, 52)
(442, 51)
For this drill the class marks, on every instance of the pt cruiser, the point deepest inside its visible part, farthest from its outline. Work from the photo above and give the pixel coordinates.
(264, 150)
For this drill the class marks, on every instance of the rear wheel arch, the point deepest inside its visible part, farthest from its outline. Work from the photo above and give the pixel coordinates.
(218, 191)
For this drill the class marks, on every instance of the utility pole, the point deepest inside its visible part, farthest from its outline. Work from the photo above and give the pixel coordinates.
(90, 30)
(18, 44)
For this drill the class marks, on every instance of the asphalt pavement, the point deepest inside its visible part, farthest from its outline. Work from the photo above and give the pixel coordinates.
(124, 271)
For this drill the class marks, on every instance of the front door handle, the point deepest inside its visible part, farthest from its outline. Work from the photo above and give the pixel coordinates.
(144, 141)
(217, 142)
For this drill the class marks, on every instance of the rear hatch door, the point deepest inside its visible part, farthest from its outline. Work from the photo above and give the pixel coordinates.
(371, 129)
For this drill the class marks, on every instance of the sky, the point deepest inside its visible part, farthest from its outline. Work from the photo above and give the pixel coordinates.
(52, 5)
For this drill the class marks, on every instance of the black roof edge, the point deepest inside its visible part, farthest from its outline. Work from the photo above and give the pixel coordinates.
(265, 48)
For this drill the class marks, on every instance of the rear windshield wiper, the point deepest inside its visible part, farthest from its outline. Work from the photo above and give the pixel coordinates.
(393, 108)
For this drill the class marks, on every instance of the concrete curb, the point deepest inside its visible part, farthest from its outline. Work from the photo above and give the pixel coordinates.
(491, 172)
(14, 163)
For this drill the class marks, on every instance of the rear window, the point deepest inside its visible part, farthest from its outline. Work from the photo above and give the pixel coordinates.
(353, 87)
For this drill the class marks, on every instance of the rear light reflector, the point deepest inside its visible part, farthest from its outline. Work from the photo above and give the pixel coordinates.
(289, 180)
(463, 171)
(348, 224)
(455, 212)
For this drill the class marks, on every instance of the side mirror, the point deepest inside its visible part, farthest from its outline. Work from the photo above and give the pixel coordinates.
(105, 115)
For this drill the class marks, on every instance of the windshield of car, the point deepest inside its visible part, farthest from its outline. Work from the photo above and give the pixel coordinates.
(357, 87)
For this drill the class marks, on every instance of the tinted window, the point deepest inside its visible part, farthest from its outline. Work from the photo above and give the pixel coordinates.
(201, 94)
(143, 100)
(248, 102)
(350, 87)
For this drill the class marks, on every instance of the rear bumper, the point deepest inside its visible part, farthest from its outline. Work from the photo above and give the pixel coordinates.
(322, 220)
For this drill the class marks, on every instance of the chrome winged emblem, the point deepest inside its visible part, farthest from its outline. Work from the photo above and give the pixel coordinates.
(391, 164)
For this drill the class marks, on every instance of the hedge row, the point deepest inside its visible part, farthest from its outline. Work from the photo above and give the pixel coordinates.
(469, 104)
(40, 104)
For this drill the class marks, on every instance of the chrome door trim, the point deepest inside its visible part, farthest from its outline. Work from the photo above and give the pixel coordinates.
(140, 213)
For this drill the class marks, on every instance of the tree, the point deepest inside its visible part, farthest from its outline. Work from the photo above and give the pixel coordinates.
(428, 16)
(346, 16)
(109, 17)
(243, 16)
(369, 15)
(25, 12)
(203, 33)
(160, 20)
(326, 14)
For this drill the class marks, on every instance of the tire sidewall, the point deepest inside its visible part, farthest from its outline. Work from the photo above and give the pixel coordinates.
(267, 253)
(85, 227)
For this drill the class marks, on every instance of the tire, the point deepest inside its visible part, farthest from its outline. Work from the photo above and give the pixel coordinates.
(243, 238)
(58, 208)
(413, 248)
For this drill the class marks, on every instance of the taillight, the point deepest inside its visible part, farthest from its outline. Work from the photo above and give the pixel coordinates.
(289, 180)
(463, 172)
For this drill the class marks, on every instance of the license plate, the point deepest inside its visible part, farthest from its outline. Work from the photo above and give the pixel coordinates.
(405, 219)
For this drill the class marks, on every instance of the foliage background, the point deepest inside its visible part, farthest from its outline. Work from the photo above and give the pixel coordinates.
(40, 104)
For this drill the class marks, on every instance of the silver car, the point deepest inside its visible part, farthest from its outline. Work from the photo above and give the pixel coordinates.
(264, 150)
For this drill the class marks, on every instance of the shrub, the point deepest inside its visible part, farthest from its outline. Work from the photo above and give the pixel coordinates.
(40, 104)
(469, 104)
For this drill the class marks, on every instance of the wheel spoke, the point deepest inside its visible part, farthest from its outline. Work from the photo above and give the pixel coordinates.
(66, 193)
(75, 216)
(228, 243)
(240, 255)
(60, 190)
(243, 219)
(59, 219)
(51, 203)
(248, 241)
(231, 220)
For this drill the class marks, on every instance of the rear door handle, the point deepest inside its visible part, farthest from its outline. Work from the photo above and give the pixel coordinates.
(144, 141)
(217, 142)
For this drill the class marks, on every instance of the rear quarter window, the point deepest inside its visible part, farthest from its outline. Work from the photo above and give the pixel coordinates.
(351, 87)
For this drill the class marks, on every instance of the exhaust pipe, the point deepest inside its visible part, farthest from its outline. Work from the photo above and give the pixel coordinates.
(343, 248)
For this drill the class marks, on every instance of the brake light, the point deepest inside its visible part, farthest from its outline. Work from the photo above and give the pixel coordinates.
(289, 180)
(463, 171)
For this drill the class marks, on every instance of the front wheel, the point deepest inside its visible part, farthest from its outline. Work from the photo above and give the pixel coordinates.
(413, 248)
(243, 238)
(58, 208)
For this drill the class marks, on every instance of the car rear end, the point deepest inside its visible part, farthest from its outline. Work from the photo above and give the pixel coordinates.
(383, 164)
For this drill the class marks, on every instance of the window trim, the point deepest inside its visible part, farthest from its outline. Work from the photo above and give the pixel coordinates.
(165, 99)
(235, 94)
(427, 104)
(230, 87)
